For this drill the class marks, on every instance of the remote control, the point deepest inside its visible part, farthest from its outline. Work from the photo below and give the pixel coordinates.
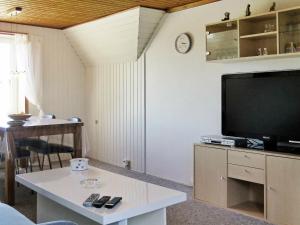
(90, 200)
(112, 203)
(99, 203)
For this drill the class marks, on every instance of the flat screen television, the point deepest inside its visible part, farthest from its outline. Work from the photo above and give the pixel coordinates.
(263, 106)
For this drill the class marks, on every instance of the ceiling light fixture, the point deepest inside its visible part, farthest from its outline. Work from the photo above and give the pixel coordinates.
(14, 11)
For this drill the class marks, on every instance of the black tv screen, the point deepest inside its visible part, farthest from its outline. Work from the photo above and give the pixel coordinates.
(258, 105)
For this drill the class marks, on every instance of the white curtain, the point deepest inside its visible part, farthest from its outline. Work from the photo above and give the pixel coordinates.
(28, 60)
(7, 78)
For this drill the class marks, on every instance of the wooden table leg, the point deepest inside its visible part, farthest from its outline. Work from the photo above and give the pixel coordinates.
(9, 194)
(77, 138)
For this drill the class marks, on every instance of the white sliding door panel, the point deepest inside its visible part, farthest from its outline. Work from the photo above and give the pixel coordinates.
(119, 108)
(92, 122)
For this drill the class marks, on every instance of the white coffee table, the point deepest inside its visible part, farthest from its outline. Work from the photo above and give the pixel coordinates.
(60, 196)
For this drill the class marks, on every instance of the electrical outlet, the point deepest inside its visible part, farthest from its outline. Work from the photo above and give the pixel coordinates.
(126, 164)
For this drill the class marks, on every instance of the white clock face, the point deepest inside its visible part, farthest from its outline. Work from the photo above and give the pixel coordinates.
(183, 43)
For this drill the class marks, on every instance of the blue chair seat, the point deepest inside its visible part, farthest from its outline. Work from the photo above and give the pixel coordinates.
(21, 143)
(57, 148)
(21, 153)
(10, 216)
(31, 143)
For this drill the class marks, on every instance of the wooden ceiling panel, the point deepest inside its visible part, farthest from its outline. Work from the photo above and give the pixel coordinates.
(65, 13)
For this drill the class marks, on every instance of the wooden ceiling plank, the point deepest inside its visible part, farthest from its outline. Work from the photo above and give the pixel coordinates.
(191, 5)
(61, 14)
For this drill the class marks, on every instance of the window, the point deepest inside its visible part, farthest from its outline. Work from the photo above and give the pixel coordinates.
(12, 99)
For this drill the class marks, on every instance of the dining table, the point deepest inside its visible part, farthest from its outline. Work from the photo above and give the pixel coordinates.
(33, 127)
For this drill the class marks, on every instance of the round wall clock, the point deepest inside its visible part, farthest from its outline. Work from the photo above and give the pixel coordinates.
(183, 43)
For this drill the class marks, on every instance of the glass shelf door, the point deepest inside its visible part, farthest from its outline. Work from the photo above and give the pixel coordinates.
(222, 41)
(289, 31)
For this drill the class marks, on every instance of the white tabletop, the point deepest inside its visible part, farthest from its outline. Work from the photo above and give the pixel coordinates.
(63, 186)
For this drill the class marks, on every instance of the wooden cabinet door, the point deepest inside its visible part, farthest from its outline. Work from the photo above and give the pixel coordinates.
(210, 172)
(283, 191)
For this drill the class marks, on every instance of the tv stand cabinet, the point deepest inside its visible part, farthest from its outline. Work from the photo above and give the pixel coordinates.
(262, 184)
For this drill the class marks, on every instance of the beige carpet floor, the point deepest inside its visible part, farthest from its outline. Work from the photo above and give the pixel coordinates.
(190, 212)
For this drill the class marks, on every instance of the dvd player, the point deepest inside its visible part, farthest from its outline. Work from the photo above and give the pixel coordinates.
(224, 141)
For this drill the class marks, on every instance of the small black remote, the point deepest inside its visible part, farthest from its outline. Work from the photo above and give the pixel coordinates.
(90, 200)
(112, 203)
(99, 203)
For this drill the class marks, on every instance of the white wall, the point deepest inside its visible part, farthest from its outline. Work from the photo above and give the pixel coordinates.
(63, 72)
(184, 91)
(115, 98)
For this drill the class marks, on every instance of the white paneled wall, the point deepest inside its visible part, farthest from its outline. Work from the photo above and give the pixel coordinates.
(115, 111)
(63, 72)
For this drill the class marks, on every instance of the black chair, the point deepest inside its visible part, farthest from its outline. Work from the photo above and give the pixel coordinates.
(38, 145)
(21, 154)
(61, 148)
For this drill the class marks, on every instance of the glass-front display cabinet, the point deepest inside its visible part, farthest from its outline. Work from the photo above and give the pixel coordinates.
(274, 34)
(289, 31)
(222, 41)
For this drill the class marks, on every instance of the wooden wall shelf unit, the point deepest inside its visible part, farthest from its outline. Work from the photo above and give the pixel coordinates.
(263, 36)
(261, 184)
